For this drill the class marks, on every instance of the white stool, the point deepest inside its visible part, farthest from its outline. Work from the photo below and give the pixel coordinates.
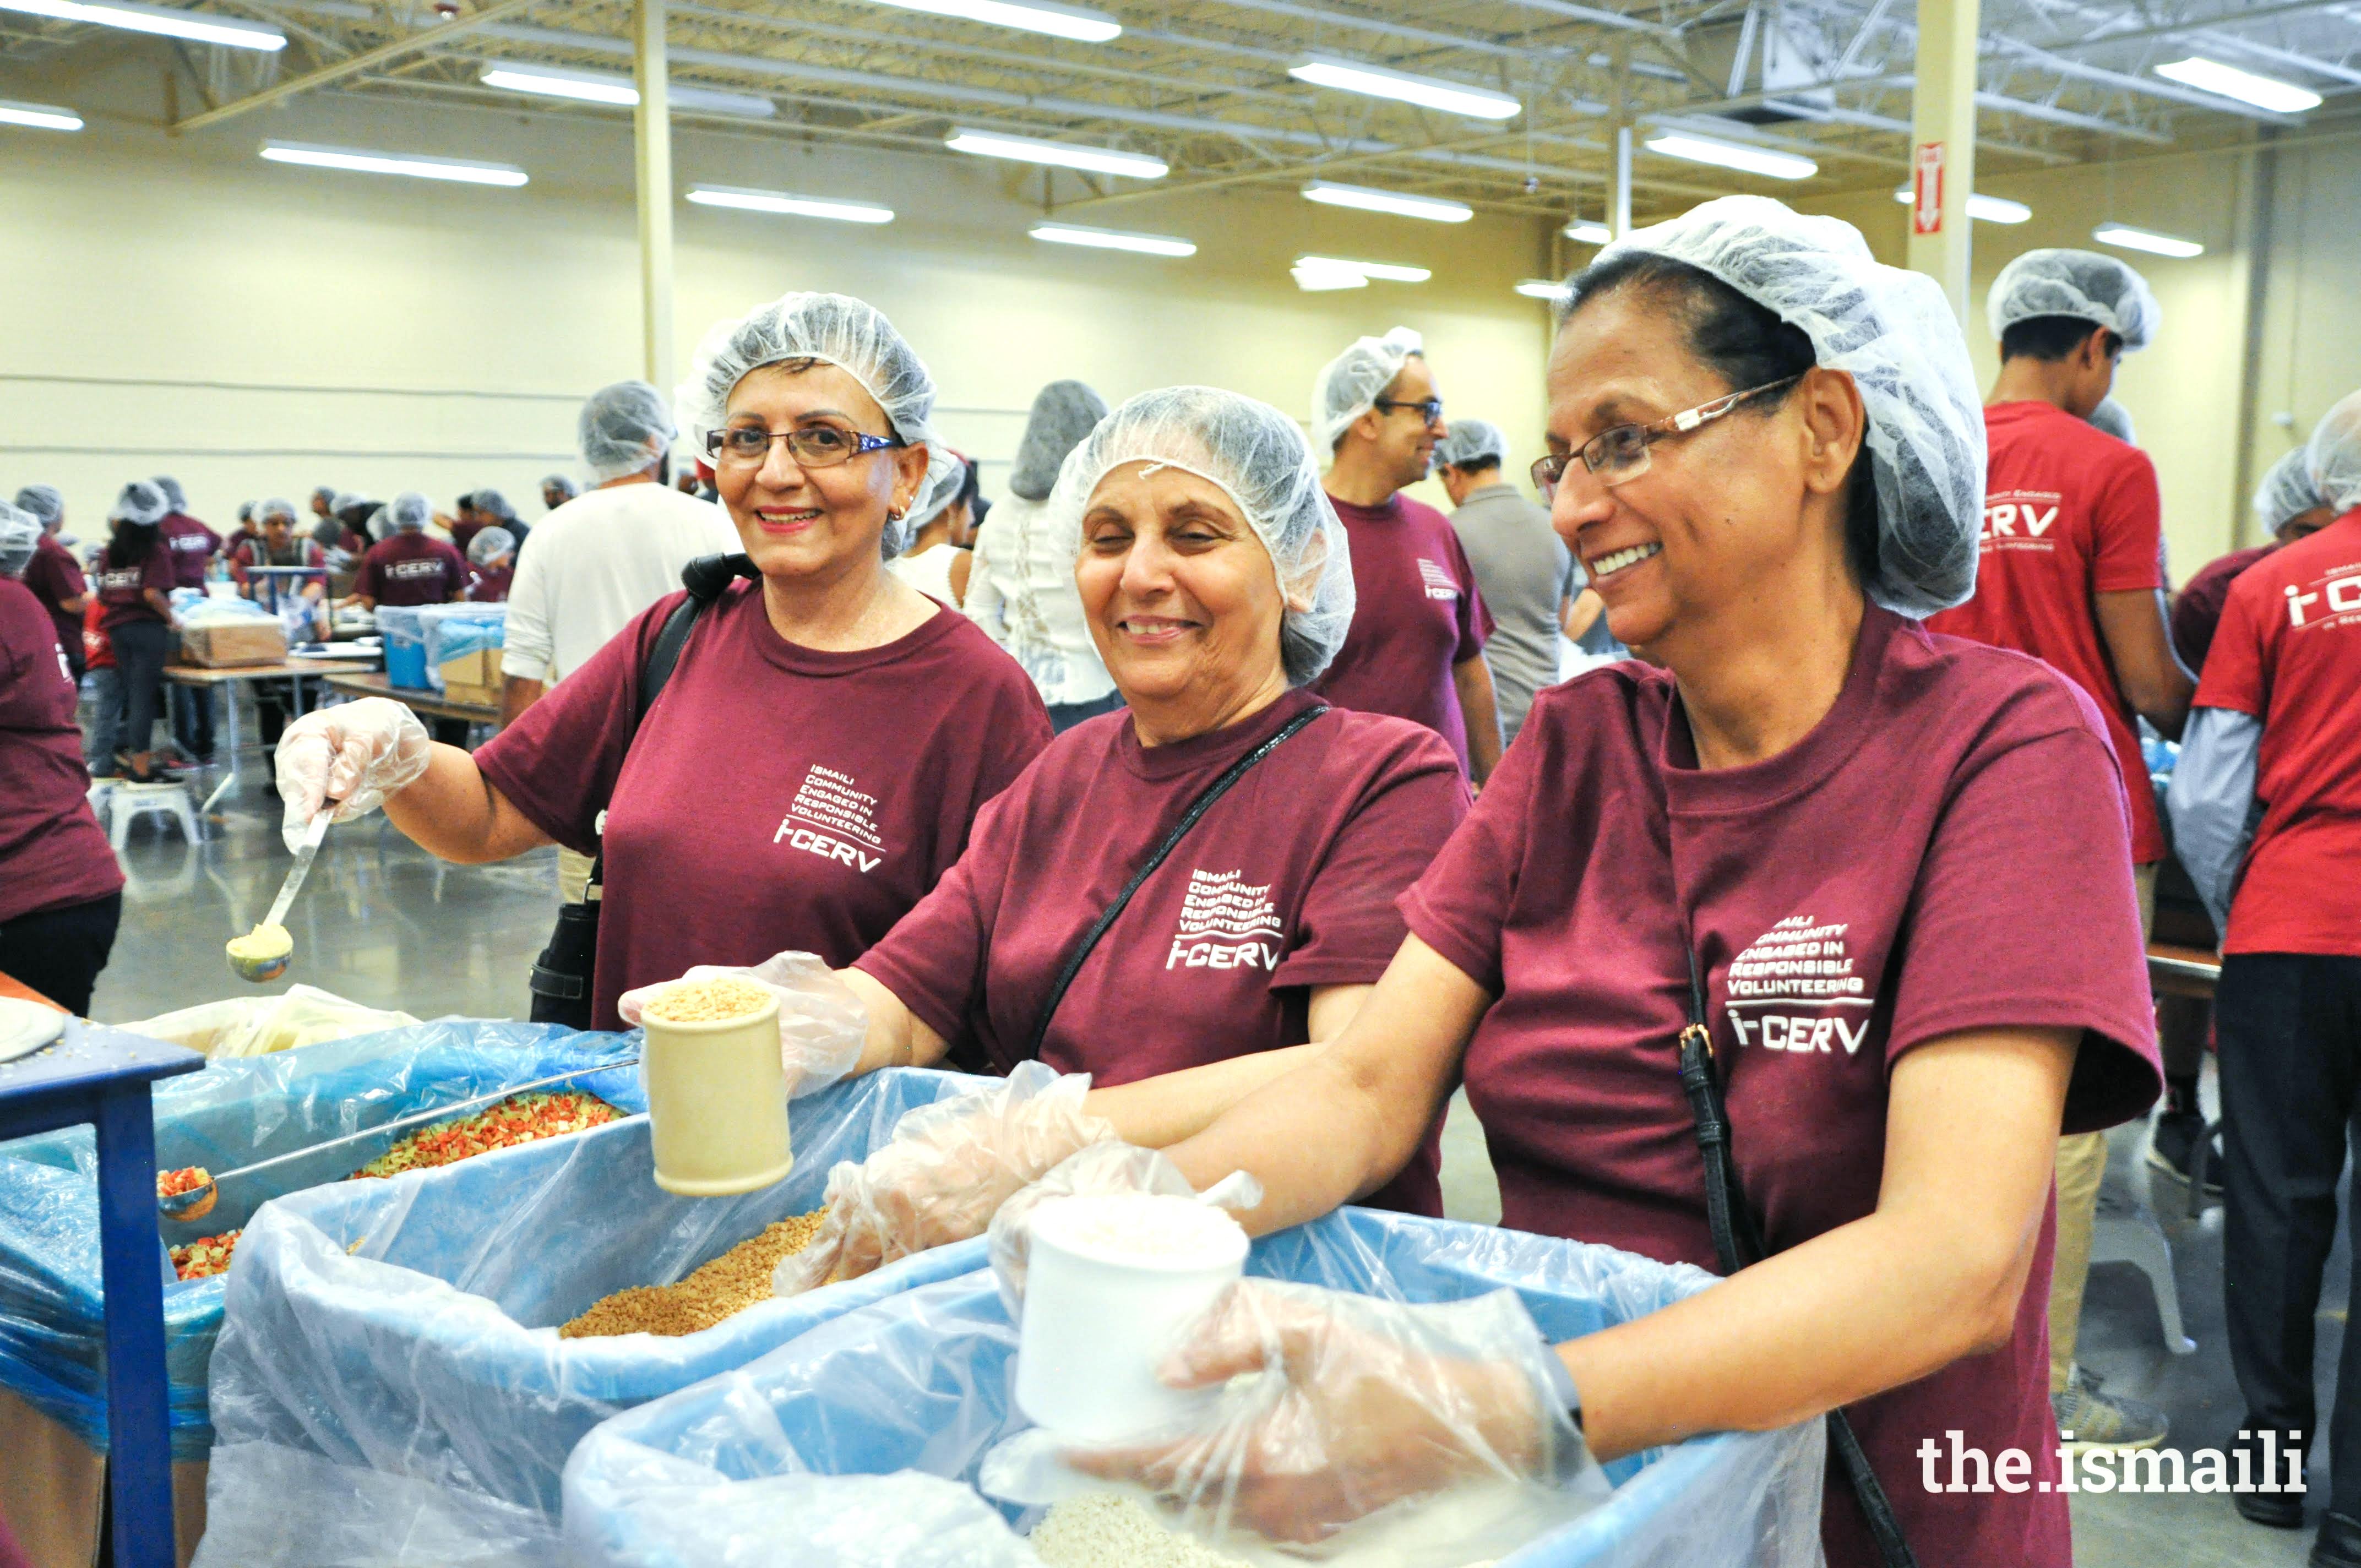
(2126, 1233)
(127, 801)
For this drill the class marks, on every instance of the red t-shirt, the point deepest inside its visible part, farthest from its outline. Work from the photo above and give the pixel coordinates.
(1416, 615)
(2288, 652)
(2197, 609)
(192, 544)
(2069, 511)
(410, 568)
(124, 589)
(1944, 851)
(96, 650)
(52, 854)
(1288, 882)
(54, 578)
(776, 797)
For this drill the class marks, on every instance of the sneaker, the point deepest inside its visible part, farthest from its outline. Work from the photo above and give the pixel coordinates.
(2172, 1149)
(2088, 1419)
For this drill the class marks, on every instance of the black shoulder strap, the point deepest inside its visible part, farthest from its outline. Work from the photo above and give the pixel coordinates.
(1189, 819)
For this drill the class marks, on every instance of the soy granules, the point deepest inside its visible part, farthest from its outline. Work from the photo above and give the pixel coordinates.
(705, 1001)
(1107, 1530)
(736, 1280)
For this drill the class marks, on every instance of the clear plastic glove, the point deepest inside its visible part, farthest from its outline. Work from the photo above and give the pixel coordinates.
(1362, 1404)
(1102, 1169)
(945, 1173)
(822, 1024)
(355, 753)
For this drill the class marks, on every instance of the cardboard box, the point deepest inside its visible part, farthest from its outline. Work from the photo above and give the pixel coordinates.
(256, 642)
(473, 677)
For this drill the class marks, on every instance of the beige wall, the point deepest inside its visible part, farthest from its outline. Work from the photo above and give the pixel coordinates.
(255, 329)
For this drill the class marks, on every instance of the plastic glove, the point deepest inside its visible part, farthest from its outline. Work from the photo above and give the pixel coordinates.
(357, 754)
(822, 1024)
(1363, 1404)
(946, 1171)
(1104, 1167)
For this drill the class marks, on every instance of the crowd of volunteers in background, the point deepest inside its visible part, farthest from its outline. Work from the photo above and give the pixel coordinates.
(1235, 808)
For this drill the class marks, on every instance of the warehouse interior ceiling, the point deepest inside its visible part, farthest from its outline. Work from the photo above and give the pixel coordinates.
(1206, 85)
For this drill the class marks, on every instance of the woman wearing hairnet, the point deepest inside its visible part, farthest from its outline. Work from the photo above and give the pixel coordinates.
(53, 573)
(815, 760)
(134, 583)
(1836, 856)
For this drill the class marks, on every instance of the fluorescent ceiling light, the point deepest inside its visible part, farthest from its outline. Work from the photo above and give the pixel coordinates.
(1370, 199)
(1383, 272)
(40, 116)
(1982, 208)
(1114, 239)
(1063, 154)
(1075, 22)
(1426, 92)
(2262, 91)
(1319, 279)
(2129, 238)
(466, 171)
(607, 87)
(780, 202)
(1733, 155)
(1588, 234)
(202, 28)
(1542, 288)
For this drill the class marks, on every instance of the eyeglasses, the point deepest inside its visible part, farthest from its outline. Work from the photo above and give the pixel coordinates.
(1431, 410)
(813, 446)
(1623, 453)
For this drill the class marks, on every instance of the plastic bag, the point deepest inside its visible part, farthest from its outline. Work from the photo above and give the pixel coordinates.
(391, 1387)
(52, 1307)
(922, 1382)
(259, 1025)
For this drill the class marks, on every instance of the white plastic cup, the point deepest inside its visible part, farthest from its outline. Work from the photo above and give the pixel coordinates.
(718, 1103)
(1101, 1318)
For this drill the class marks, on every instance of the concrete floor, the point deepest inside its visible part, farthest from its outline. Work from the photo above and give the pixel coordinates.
(382, 923)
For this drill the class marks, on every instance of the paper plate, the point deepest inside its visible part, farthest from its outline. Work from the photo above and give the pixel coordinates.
(27, 1027)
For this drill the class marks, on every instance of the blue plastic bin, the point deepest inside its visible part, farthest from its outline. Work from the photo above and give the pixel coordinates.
(389, 1385)
(797, 1445)
(403, 636)
(232, 1113)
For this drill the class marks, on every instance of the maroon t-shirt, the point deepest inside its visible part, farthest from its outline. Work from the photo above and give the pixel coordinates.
(2197, 609)
(1947, 850)
(54, 578)
(124, 589)
(410, 568)
(1287, 883)
(776, 797)
(52, 854)
(192, 544)
(487, 586)
(1416, 615)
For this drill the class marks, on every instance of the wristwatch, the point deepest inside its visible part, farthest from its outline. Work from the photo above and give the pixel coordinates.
(1567, 1459)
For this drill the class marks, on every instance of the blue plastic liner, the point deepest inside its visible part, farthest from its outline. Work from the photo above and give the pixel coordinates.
(858, 1445)
(52, 1309)
(389, 1385)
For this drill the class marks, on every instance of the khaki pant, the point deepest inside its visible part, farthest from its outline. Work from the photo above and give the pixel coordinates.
(573, 875)
(2082, 1166)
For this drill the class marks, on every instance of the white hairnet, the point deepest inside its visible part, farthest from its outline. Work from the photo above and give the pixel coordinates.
(350, 500)
(489, 544)
(623, 428)
(1063, 414)
(2286, 491)
(1894, 333)
(175, 498)
(946, 477)
(141, 503)
(43, 501)
(2332, 457)
(325, 495)
(275, 507)
(1260, 458)
(380, 526)
(564, 483)
(2082, 284)
(1350, 385)
(409, 511)
(1471, 443)
(2115, 419)
(835, 329)
(20, 530)
(497, 504)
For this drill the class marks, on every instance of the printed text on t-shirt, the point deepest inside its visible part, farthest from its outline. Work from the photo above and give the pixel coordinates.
(2333, 598)
(2020, 519)
(1440, 583)
(1799, 963)
(1225, 924)
(831, 817)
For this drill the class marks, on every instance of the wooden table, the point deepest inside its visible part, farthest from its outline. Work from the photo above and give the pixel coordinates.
(374, 682)
(204, 677)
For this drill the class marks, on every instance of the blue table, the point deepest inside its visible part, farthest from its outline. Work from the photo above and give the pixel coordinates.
(101, 1076)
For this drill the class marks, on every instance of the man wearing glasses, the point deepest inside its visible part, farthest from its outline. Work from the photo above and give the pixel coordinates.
(1416, 647)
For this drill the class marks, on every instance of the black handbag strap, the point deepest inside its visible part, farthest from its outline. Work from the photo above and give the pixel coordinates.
(1189, 819)
(1738, 1242)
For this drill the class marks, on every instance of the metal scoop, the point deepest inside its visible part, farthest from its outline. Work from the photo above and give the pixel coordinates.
(198, 1202)
(262, 968)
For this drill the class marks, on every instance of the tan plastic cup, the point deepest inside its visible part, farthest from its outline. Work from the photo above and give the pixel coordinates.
(717, 1102)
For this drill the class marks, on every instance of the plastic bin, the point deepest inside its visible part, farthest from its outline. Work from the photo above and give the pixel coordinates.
(232, 1113)
(404, 635)
(390, 1387)
(850, 1439)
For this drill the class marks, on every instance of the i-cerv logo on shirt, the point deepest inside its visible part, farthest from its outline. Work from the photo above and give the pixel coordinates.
(1225, 924)
(833, 818)
(2329, 601)
(1794, 990)
(1440, 583)
(2018, 520)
